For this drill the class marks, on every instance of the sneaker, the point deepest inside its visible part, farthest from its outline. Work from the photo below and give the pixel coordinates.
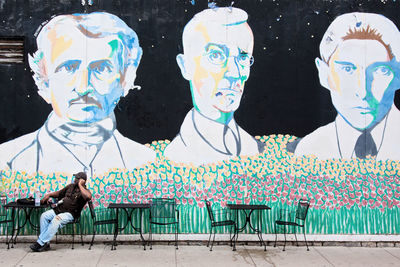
(35, 246)
(45, 247)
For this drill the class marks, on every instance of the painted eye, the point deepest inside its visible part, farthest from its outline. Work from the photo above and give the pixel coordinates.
(383, 70)
(70, 66)
(245, 60)
(216, 57)
(102, 67)
(348, 69)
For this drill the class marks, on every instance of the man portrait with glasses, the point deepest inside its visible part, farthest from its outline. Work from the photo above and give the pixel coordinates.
(218, 46)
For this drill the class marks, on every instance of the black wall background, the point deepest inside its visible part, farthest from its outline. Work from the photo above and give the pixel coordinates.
(282, 95)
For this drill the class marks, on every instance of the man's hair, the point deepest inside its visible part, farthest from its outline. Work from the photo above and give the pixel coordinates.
(92, 25)
(368, 34)
(360, 26)
(81, 175)
(223, 16)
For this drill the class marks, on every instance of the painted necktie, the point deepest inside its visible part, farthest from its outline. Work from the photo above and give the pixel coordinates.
(230, 141)
(365, 145)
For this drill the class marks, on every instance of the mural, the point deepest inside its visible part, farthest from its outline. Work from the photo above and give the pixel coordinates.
(360, 68)
(286, 147)
(84, 64)
(218, 46)
(347, 195)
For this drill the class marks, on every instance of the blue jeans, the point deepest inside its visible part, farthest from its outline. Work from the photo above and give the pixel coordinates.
(50, 223)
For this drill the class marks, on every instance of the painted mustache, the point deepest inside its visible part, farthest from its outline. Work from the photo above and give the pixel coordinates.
(234, 87)
(227, 91)
(85, 100)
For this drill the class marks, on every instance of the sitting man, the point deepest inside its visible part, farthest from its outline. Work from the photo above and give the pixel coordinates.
(218, 47)
(360, 67)
(84, 64)
(72, 199)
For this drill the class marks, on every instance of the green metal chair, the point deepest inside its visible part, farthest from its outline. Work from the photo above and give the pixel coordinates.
(163, 212)
(75, 222)
(216, 221)
(110, 218)
(294, 219)
(71, 225)
(6, 218)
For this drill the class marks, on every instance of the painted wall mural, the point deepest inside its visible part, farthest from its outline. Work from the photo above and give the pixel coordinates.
(218, 46)
(359, 67)
(87, 64)
(83, 65)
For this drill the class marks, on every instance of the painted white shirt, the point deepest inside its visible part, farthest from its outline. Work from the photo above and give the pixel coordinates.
(41, 151)
(337, 139)
(201, 141)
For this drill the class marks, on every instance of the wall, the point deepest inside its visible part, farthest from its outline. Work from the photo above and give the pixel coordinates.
(205, 125)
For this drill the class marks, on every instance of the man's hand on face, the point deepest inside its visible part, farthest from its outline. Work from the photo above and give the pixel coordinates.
(82, 182)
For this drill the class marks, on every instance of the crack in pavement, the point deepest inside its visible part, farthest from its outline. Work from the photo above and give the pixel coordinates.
(265, 255)
(391, 253)
(21, 259)
(101, 255)
(323, 256)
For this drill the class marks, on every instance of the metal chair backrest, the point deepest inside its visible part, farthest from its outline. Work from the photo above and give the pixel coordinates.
(91, 208)
(302, 209)
(3, 200)
(209, 210)
(163, 208)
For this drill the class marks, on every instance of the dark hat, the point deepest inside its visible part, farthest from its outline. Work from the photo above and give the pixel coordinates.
(81, 175)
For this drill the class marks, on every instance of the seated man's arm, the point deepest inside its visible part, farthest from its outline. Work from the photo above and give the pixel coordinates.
(56, 194)
(85, 192)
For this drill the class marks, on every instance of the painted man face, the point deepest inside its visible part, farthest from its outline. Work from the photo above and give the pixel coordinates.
(83, 75)
(360, 77)
(221, 65)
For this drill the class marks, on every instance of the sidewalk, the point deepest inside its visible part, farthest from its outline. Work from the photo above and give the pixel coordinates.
(163, 255)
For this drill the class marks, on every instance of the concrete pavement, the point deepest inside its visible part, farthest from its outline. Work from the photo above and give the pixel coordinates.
(198, 255)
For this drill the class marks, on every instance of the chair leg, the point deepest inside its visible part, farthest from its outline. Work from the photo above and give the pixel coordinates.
(230, 235)
(212, 244)
(259, 232)
(12, 228)
(284, 233)
(176, 236)
(80, 229)
(114, 244)
(73, 235)
(7, 242)
(18, 230)
(209, 238)
(295, 236)
(304, 233)
(236, 234)
(150, 238)
(276, 236)
(262, 242)
(94, 233)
